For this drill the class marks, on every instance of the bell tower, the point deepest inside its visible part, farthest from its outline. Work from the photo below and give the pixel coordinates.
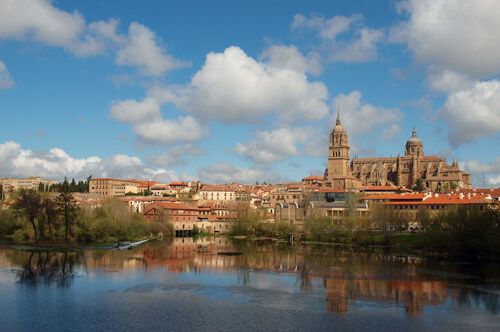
(339, 155)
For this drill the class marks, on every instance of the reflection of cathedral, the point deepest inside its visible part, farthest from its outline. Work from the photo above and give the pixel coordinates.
(435, 173)
(413, 295)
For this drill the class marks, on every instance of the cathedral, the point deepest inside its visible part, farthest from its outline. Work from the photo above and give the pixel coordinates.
(435, 173)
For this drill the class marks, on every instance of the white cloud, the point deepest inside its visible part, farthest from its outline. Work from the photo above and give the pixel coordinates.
(361, 44)
(289, 57)
(447, 80)
(132, 111)
(224, 172)
(458, 35)
(175, 155)
(6, 81)
(185, 129)
(233, 87)
(477, 168)
(473, 113)
(40, 21)
(97, 38)
(359, 118)
(390, 133)
(273, 146)
(142, 50)
(55, 164)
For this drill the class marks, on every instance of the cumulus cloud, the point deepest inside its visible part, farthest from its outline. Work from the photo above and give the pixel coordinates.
(477, 168)
(143, 51)
(359, 118)
(6, 81)
(132, 111)
(458, 35)
(55, 164)
(273, 146)
(184, 129)
(233, 87)
(473, 113)
(390, 133)
(345, 39)
(289, 57)
(224, 172)
(175, 155)
(40, 21)
(445, 81)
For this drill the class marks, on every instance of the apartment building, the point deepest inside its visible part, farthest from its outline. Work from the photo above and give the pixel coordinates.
(11, 184)
(109, 187)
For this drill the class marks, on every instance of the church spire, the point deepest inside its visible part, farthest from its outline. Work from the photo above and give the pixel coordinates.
(338, 117)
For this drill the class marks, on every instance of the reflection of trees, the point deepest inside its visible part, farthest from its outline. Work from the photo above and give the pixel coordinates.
(489, 300)
(49, 266)
(347, 275)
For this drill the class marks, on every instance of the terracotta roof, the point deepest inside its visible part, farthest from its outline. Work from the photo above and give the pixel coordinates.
(178, 184)
(314, 177)
(327, 190)
(386, 188)
(447, 200)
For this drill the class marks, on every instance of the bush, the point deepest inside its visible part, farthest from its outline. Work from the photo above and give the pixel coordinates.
(8, 223)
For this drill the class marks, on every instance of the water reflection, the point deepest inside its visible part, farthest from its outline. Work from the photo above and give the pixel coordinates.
(346, 276)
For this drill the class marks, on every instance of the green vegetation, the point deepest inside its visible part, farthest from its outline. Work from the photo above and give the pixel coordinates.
(255, 224)
(36, 216)
(419, 186)
(465, 234)
(458, 233)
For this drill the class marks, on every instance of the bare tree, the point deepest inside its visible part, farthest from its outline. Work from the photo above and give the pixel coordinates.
(305, 200)
(28, 203)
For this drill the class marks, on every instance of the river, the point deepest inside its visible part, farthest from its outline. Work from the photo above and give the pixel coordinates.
(218, 284)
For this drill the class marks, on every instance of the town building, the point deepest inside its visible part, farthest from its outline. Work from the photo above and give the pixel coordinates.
(108, 187)
(11, 184)
(434, 172)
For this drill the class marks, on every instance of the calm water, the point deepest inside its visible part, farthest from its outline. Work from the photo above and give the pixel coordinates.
(188, 285)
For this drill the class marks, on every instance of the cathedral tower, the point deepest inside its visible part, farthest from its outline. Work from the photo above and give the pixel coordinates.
(339, 155)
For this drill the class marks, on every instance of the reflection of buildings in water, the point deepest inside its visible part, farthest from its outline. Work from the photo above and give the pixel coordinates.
(186, 254)
(412, 294)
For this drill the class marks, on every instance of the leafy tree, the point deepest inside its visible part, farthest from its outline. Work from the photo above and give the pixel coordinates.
(28, 203)
(67, 207)
(419, 186)
(50, 213)
(41, 187)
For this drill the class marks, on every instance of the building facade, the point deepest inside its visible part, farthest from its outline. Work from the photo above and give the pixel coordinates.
(434, 172)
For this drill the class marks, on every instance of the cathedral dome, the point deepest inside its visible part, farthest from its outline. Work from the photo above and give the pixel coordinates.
(338, 127)
(414, 138)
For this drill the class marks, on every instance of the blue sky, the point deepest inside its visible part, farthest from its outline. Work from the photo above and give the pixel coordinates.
(243, 91)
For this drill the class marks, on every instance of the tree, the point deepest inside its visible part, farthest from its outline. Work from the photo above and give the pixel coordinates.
(419, 186)
(305, 202)
(67, 207)
(41, 187)
(28, 203)
(50, 213)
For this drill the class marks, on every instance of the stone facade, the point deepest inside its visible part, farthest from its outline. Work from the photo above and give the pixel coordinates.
(435, 173)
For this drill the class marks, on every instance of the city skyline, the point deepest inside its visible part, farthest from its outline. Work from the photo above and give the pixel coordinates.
(234, 91)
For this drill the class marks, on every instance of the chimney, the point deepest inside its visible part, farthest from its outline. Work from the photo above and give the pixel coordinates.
(461, 196)
(436, 195)
(468, 195)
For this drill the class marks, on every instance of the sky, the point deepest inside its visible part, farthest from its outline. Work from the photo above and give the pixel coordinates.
(244, 91)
